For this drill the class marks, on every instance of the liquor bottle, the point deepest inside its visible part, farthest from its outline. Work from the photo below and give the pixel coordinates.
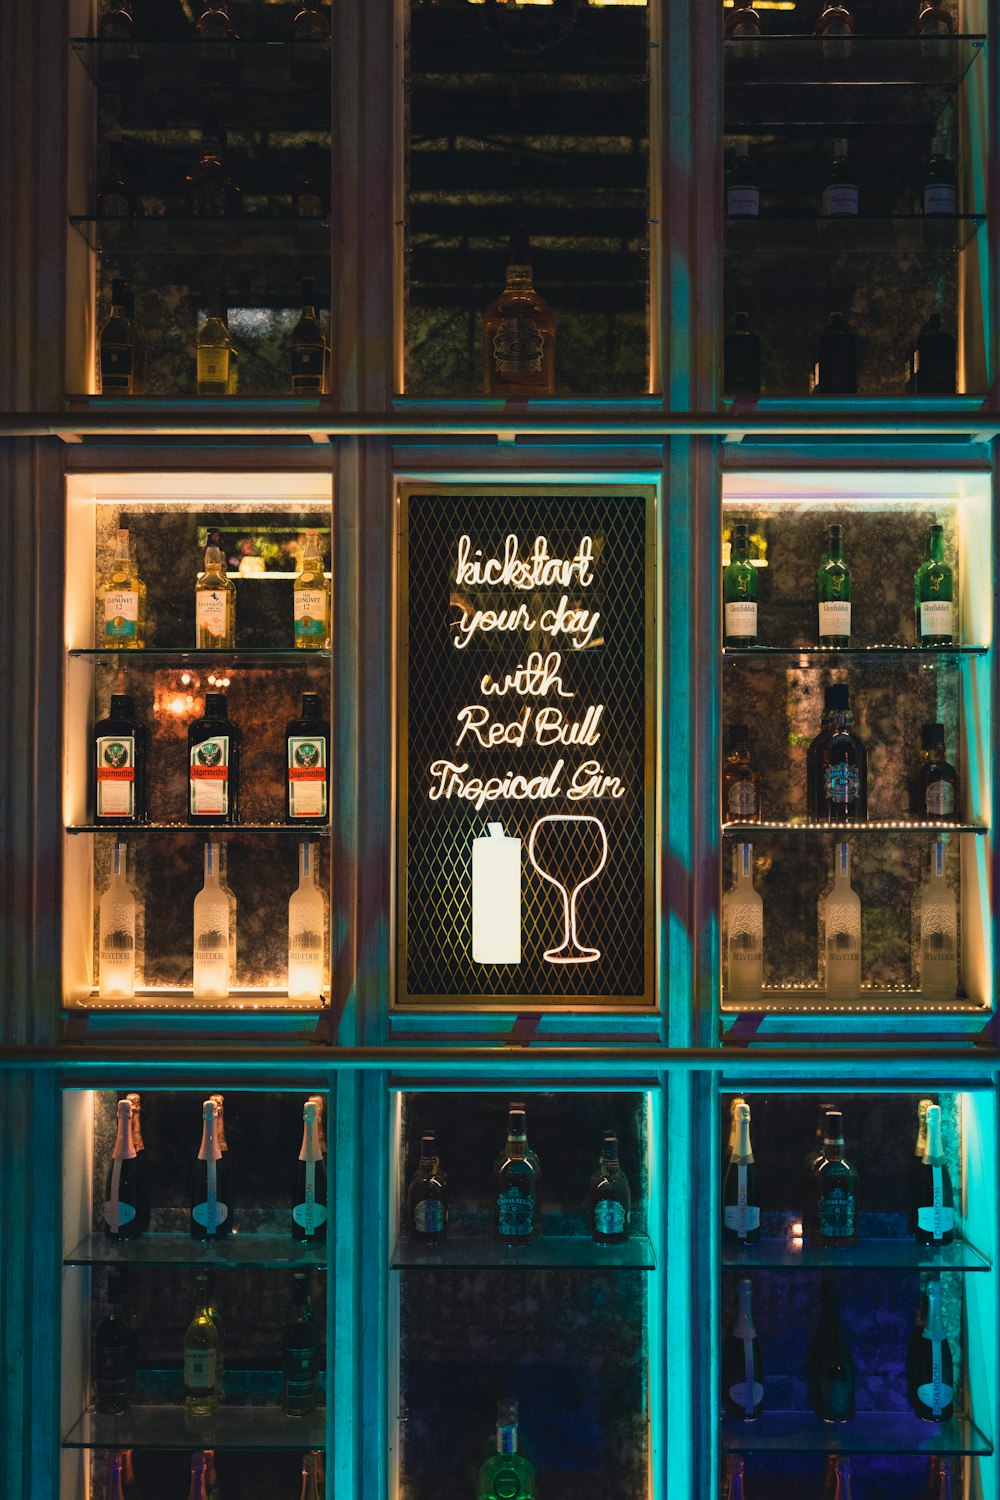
(516, 1209)
(743, 930)
(116, 24)
(199, 1461)
(311, 198)
(138, 347)
(215, 602)
(933, 585)
(211, 1201)
(141, 1162)
(830, 1369)
(939, 189)
(841, 910)
(121, 1210)
(212, 1308)
(309, 1203)
(233, 380)
(507, 1475)
(212, 194)
(938, 1479)
(310, 23)
(308, 346)
(938, 933)
(740, 1201)
(116, 197)
(519, 331)
(114, 1352)
(211, 1477)
(307, 764)
(841, 1479)
(201, 1352)
(116, 928)
(742, 187)
(915, 1180)
(742, 1386)
(516, 1106)
(733, 1487)
(212, 958)
(841, 765)
(214, 349)
(117, 346)
(735, 1104)
(835, 372)
(214, 25)
(311, 598)
(130, 1490)
(813, 781)
(740, 782)
(833, 1198)
(812, 1157)
(610, 1197)
(116, 1474)
(739, 591)
(744, 20)
(306, 931)
(935, 792)
(313, 1485)
(119, 759)
(124, 600)
(834, 20)
(932, 20)
(741, 364)
(930, 1379)
(840, 197)
(300, 1355)
(833, 592)
(427, 1196)
(214, 765)
(933, 362)
(933, 1199)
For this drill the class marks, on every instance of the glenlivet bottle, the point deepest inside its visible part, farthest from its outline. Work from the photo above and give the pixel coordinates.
(214, 765)
(306, 930)
(610, 1197)
(516, 1210)
(311, 598)
(933, 585)
(933, 1201)
(307, 765)
(739, 591)
(519, 332)
(930, 1379)
(201, 1366)
(300, 1355)
(310, 1208)
(211, 1202)
(427, 1196)
(833, 591)
(742, 1386)
(740, 782)
(841, 912)
(938, 933)
(119, 757)
(116, 933)
(740, 1203)
(122, 1218)
(507, 1475)
(124, 600)
(833, 1211)
(830, 1368)
(743, 930)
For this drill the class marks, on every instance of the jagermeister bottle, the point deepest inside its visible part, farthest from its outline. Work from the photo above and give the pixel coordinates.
(119, 756)
(307, 765)
(933, 590)
(507, 1475)
(516, 1210)
(833, 591)
(739, 591)
(214, 765)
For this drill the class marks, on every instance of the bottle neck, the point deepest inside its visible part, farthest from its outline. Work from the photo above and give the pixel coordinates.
(841, 718)
(937, 860)
(124, 1149)
(116, 1478)
(517, 1142)
(307, 865)
(506, 1437)
(311, 1148)
(920, 1150)
(742, 1150)
(835, 549)
(935, 1328)
(519, 276)
(933, 1152)
(211, 865)
(739, 547)
(935, 547)
(743, 1326)
(744, 864)
(209, 1148)
(843, 864)
(833, 1150)
(199, 1490)
(118, 863)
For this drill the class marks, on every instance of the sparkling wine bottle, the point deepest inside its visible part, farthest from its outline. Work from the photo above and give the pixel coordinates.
(833, 1213)
(939, 1475)
(914, 1186)
(842, 926)
(114, 1352)
(938, 932)
(122, 1219)
(211, 1203)
(300, 1357)
(507, 1475)
(313, 1487)
(141, 1162)
(116, 934)
(933, 1198)
(733, 1487)
(516, 1211)
(212, 957)
(830, 1367)
(610, 1197)
(930, 1378)
(309, 1208)
(743, 930)
(742, 1385)
(116, 1474)
(740, 1201)
(427, 1196)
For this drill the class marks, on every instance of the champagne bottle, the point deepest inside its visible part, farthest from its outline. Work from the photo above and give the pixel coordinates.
(427, 1196)
(930, 1377)
(610, 1197)
(199, 1477)
(119, 760)
(740, 1200)
(841, 907)
(121, 1210)
(215, 602)
(933, 1198)
(833, 1213)
(212, 963)
(201, 1348)
(141, 1163)
(915, 1178)
(507, 1475)
(116, 933)
(841, 1489)
(933, 587)
(114, 1352)
(741, 358)
(211, 1477)
(742, 189)
(743, 930)
(307, 765)
(116, 346)
(833, 592)
(516, 1212)
(124, 600)
(312, 1477)
(938, 933)
(933, 362)
(130, 1490)
(214, 745)
(519, 331)
(211, 1217)
(935, 787)
(739, 591)
(306, 931)
(830, 1369)
(300, 1359)
(812, 1157)
(307, 343)
(742, 1385)
(309, 1206)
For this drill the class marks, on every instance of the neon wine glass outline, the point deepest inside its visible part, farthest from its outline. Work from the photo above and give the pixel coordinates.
(570, 950)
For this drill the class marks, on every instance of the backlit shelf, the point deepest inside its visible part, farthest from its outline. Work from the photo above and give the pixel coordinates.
(849, 830)
(181, 656)
(265, 1251)
(824, 656)
(228, 1427)
(548, 1252)
(867, 1255)
(154, 1001)
(207, 830)
(177, 235)
(885, 1432)
(901, 234)
(807, 1000)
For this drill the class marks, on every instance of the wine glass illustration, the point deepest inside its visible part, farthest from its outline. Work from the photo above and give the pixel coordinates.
(557, 834)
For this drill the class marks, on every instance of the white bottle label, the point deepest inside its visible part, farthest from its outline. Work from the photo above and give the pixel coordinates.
(310, 615)
(126, 1213)
(199, 1369)
(835, 617)
(121, 614)
(115, 776)
(208, 780)
(210, 612)
(307, 776)
(940, 198)
(935, 1218)
(743, 202)
(749, 1393)
(840, 200)
(741, 1216)
(935, 1394)
(936, 617)
(940, 800)
(741, 618)
(309, 1216)
(210, 1215)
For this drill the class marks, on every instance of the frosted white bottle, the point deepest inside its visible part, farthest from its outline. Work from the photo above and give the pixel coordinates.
(211, 933)
(938, 933)
(843, 929)
(116, 934)
(743, 925)
(306, 930)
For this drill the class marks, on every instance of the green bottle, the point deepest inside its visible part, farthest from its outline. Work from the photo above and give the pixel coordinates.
(739, 591)
(507, 1475)
(933, 594)
(833, 592)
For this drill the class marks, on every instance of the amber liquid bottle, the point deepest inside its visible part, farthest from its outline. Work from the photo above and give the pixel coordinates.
(519, 332)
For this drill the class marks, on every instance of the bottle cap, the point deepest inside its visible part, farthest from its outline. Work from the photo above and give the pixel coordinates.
(428, 1143)
(741, 322)
(838, 699)
(836, 320)
(840, 147)
(610, 1146)
(833, 1126)
(937, 529)
(933, 736)
(215, 706)
(740, 531)
(312, 706)
(835, 531)
(122, 706)
(308, 291)
(118, 290)
(738, 738)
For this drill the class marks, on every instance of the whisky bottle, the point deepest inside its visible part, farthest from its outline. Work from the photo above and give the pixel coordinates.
(114, 1352)
(211, 1204)
(840, 197)
(933, 585)
(116, 198)
(119, 759)
(741, 363)
(307, 765)
(812, 1157)
(933, 1200)
(610, 1197)
(733, 1487)
(310, 1206)
(938, 933)
(744, 20)
(116, 934)
(116, 24)
(117, 346)
(201, 1350)
(833, 1197)
(841, 910)
(138, 346)
(743, 930)
(742, 1386)
(140, 1162)
(939, 190)
(311, 196)
(214, 349)
(311, 598)
(306, 931)
(212, 194)
(198, 1489)
(835, 372)
(214, 765)
(218, 56)
(308, 346)
(933, 362)
(841, 764)
(516, 1210)
(519, 331)
(507, 1475)
(121, 1209)
(742, 187)
(300, 1354)
(313, 1481)
(834, 20)
(932, 20)
(740, 1202)
(935, 787)
(915, 1177)
(310, 24)
(830, 1368)
(124, 600)
(739, 591)
(212, 963)
(427, 1196)
(930, 1379)
(740, 782)
(833, 591)
(215, 602)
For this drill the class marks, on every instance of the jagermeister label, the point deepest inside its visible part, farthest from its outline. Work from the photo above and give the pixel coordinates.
(837, 1213)
(307, 776)
(310, 615)
(208, 777)
(518, 346)
(609, 1216)
(115, 776)
(116, 367)
(515, 1213)
(121, 614)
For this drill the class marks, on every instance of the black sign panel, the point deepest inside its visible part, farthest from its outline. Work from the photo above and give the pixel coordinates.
(525, 869)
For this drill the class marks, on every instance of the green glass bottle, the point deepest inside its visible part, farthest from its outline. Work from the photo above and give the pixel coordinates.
(933, 594)
(833, 592)
(739, 591)
(507, 1475)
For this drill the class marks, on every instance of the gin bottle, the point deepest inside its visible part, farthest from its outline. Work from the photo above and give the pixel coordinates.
(938, 933)
(212, 960)
(310, 1209)
(740, 1203)
(933, 588)
(507, 1475)
(516, 1211)
(742, 1386)
(311, 598)
(842, 922)
(116, 943)
(124, 601)
(519, 331)
(306, 931)
(743, 930)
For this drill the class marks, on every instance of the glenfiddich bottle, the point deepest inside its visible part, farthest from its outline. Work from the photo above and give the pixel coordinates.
(427, 1196)
(739, 591)
(742, 1386)
(835, 372)
(214, 765)
(830, 1368)
(116, 346)
(308, 346)
(124, 600)
(933, 584)
(740, 1202)
(300, 1357)
(833, 591)
(742, 188)
(933, 362)
(833, 1211)
(841, 764)
(507, 1475)
(519, 332)
(933, 1200)
(740, 782)
(307, 765)
(935, 787)
(119, 757)
(930, 1378)
(939, 191)
(741, 363)
(114, 1352)
(610, 1197)
(516, 1210)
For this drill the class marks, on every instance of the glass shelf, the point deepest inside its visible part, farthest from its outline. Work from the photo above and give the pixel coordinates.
(821, 656)
(903, 234)
(553, 1252)
(229, 1427)
(208, 830)
(153, 1001)
(849, 830)
(268, 406)
(177, 235)
(265, 1251)
(806, 1000)
(263, 66)
(182, 656)
(868, 1255)
(886, 1432)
